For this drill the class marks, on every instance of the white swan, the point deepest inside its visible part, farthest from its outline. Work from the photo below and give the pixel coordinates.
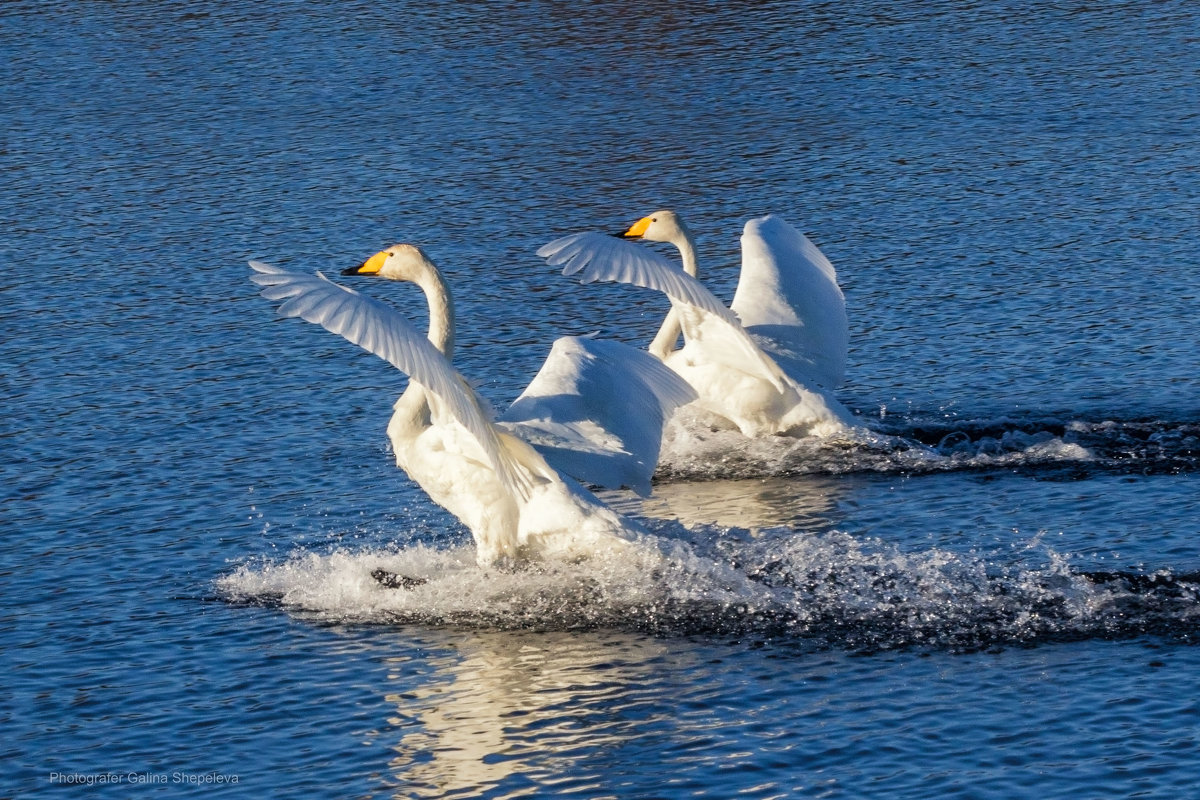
(516, 505)
(770, 362)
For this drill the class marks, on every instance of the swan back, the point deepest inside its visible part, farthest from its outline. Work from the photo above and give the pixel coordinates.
(788, 297)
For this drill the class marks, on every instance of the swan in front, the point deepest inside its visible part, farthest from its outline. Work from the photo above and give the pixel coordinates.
(487, 473)
(767, 364)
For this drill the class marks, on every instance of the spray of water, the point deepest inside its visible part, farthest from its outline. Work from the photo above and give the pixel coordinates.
(825, 590)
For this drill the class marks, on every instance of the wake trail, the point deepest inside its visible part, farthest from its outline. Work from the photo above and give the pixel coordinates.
(1053, 447)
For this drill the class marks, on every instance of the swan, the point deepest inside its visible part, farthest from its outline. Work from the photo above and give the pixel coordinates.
(490, 474)
(767, 364)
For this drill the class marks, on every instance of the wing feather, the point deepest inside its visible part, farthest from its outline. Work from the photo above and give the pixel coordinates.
(596, 411)
(599, 257)
(380, 329)
(788, 296)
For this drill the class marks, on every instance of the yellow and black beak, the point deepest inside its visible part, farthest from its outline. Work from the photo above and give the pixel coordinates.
(369, 267)
(636, 229)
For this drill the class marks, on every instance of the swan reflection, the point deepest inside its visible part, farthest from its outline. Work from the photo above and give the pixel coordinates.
(524, 709)
(805, 502)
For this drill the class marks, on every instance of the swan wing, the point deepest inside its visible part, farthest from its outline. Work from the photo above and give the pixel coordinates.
(788, 298)
(599, 257)
(380, 329)
(596, 411)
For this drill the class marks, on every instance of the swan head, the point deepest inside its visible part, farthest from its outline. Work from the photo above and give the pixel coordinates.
(661, 226)
(400, 262)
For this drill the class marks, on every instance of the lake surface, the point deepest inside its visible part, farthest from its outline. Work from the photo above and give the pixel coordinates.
(1001, 601)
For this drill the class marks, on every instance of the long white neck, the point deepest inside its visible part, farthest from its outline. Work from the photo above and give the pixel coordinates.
(411, 411)
(441, 310)
(687, 250)
(668, 335)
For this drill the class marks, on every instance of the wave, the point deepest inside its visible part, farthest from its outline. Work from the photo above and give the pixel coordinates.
(913, 445)
(807, 590)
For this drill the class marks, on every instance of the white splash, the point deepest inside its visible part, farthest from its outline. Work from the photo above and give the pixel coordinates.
(833, 589)
(448, 586)
(695, 448)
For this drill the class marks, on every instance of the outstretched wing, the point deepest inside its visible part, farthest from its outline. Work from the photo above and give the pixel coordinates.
(596, 411)
(380, 329)
(788, 297)
(598, 257)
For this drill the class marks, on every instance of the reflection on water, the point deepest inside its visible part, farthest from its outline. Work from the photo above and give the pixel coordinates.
(522, 707)
(803, 502)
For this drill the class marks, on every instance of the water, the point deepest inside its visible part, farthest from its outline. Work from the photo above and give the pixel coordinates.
(993, 595)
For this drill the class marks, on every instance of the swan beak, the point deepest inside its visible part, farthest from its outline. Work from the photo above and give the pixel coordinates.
(637, 229)
(369, 267)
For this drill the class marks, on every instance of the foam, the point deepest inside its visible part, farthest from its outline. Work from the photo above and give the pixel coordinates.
(830, 589)
(452, 589)
(692, 449)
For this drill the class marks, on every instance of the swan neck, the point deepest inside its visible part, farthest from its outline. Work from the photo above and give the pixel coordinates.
(687, 251)
(441, 311)
(411, 412)
(410, 416)
(668, 335)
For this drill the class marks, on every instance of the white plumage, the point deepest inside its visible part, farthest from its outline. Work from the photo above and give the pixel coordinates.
(770, 362)
(515, 503)
(596, 411)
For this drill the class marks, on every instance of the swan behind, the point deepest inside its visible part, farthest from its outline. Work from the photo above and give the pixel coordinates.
(773, 375)
(789, 299)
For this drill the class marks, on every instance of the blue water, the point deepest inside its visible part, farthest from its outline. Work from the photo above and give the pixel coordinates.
(1000, 603)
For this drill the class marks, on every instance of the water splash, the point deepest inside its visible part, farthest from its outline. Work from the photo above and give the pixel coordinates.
(827, 590)
(694, 450)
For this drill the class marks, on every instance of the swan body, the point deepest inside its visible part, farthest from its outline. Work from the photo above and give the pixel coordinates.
(516, 505)
(768, 364)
